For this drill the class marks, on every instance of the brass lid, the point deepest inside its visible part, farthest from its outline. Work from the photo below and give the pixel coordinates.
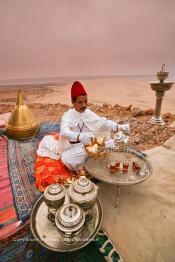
(54, 192)
(70, 217)
(22, 125)
(83, 190)
(82, 185)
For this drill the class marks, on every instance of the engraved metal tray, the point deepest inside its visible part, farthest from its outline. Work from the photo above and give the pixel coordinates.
(100, 168)
(46, 233)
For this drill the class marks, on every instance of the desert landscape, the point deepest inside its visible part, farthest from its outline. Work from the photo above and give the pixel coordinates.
(143, 225)
(115, 49)
(114, 98)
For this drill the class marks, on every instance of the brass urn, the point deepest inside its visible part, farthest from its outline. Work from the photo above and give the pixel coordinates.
(22, 124)
(54, 196)
(83, 192)
(69, 220)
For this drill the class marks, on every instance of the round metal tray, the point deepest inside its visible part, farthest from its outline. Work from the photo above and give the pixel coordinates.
(100, 168)
(46, 233)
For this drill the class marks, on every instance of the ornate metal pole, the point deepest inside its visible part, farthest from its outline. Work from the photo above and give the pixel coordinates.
(160, 88)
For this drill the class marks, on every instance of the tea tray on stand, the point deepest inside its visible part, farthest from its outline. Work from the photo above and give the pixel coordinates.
(99, 168)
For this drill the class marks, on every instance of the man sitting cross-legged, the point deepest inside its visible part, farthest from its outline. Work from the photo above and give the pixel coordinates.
(79, 125)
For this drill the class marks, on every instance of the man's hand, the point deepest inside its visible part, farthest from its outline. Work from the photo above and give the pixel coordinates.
(125, 128)
(86, 138)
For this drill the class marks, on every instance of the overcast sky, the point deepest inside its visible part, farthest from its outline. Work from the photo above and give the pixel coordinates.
(52, 38)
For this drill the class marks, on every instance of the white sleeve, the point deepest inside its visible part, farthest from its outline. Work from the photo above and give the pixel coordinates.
(109, 125)
(103, 123)
(65, 129)
(67, 133)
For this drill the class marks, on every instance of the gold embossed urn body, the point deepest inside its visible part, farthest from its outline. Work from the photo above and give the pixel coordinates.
(22, 125)
(54, 196)
(69, 221)
(83, 192)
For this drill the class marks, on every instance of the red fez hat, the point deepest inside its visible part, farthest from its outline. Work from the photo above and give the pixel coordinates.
(77, 89)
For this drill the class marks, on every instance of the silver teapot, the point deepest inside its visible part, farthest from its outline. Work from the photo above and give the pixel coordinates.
(69, 220)
(54, 197)
(121, 137)
(83, 192)
(121, 141)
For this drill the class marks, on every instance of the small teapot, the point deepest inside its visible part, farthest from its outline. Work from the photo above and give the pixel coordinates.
(120, 137)
(121, 141)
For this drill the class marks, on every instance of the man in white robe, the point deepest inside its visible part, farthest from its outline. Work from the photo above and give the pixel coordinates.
(79, 125)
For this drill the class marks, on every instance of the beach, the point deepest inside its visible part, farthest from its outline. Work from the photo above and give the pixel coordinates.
(142, 228)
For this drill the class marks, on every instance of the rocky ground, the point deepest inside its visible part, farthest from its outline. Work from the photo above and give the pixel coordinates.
(143, 135)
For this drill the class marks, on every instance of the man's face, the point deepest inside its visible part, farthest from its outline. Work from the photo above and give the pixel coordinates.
(80, 103)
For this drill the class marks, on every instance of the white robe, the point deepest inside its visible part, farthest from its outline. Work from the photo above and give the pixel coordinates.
(74, 155)
(49, 147)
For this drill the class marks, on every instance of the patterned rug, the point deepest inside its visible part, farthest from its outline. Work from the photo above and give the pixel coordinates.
(21, 169)
(26, 249)
(7, 210)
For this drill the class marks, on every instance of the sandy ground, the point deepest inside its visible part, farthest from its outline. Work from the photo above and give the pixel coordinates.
(142, 228)
(122, 91)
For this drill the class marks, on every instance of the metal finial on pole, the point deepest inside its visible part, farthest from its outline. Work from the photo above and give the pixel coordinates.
(163, 67)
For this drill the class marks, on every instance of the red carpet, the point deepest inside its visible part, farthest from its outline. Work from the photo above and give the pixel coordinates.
(8, 216)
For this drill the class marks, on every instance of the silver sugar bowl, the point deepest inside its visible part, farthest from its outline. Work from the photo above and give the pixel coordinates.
(69, 220)
(54, 196)
(83, 192)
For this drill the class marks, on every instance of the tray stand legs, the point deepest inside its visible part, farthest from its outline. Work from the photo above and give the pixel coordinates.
(117, 196)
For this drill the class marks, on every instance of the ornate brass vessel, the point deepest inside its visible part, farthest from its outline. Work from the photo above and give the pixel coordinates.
(54, 196)
(83, 192)
(96, 148)
(22, 125)
(69, 221)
